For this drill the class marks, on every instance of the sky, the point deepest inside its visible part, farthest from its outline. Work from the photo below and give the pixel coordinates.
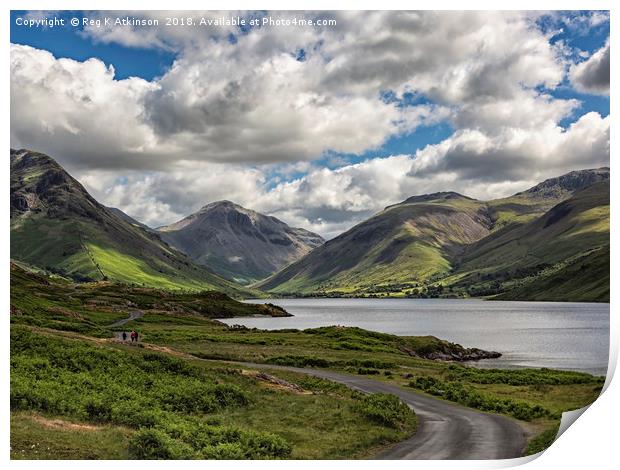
(320, 125)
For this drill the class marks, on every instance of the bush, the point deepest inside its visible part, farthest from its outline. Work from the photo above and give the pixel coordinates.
(198, 440)
(166, 400)
(230, 396)
(98, 410)
(385, 409)
(300, 361)
(542, 441)
(457, 392)
(226, 451)
(522, 376)
(312, 361)
(154, 444)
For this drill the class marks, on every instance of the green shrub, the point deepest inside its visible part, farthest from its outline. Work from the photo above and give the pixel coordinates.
(230, 396)
(198, 440)
(225, 451)
(542, 441)
(300, 361)
(522, 376)
(154, 444)
(166, 400)
(98, 410)
(457, 392)
(385, 409)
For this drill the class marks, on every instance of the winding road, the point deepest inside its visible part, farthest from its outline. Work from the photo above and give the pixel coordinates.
(445, 430)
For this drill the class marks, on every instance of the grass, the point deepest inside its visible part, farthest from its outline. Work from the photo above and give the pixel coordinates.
(34, 436)
(175, 408)
(584, 277)
(187, 402)
(54, 244)
(542, 441)
(536, 395)
(53, 302)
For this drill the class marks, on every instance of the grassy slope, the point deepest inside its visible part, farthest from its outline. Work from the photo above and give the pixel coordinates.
(406, 243)
(86, 308)
(526, 247)
(68, 347)
(34, 436)
(536, 259)
(72, 386)
(584, 277)
(178, 408)
(64, 229)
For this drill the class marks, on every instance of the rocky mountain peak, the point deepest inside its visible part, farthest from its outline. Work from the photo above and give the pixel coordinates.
(568, 184)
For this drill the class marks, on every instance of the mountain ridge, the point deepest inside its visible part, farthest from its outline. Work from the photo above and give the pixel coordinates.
(239, 243)
(57, 225)
(426, 248)
(551, 241)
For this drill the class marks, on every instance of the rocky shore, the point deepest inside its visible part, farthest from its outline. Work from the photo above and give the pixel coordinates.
(446, 351)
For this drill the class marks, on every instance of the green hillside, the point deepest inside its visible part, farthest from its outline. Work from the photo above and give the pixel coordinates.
(57, 225)
(584, 277)
(444, 244)
(186, 390)
(547, 258)
(406, 244)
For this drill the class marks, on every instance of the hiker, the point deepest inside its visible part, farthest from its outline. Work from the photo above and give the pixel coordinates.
(133, 336)
(124, 336)
(136, 336)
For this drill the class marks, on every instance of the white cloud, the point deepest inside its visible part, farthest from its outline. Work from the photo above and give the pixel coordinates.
(252, 101)
(331, 201)
(592, 75)
(162, 197)
(77, 110)
(472, 159)
(238, 120)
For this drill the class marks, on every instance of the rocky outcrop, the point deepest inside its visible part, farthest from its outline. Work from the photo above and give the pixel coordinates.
(446, 351)
(568, 184)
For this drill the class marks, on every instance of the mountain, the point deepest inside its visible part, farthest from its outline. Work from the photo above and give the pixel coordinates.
(239, 243)
(566, 185)
(407, 243)
(534, 202)
(57, 225)
(524, 257)
(131, 220)
(449, 244)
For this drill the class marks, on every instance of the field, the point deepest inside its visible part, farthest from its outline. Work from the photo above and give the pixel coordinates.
(76, 392)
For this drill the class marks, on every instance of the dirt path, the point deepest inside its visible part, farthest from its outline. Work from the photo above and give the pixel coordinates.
(132, 316)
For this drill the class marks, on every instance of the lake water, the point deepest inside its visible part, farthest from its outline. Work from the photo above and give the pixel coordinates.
(562, 335)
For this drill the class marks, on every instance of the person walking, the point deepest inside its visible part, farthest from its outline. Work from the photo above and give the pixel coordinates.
(124, 336)
(133, 336)
(136, 336)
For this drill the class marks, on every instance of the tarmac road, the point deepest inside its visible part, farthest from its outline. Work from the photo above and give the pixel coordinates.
(445, 430)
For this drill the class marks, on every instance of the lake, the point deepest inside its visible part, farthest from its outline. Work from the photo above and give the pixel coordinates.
(561, 335)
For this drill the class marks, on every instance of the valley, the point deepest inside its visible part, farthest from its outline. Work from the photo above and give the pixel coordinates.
(550, 242)
(196, 394)
(82, 274)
